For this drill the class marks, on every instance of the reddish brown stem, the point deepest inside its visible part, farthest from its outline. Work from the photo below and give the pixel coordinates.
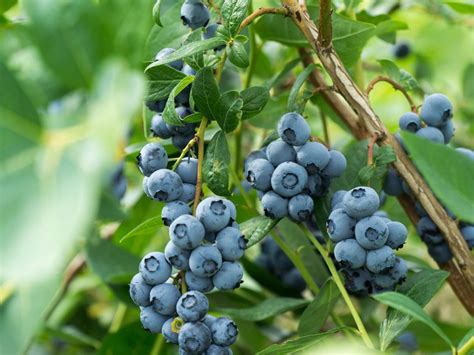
(370, 150)
(260, 12)
(396, 86)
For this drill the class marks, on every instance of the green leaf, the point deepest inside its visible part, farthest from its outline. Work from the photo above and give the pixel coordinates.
(468, 337)
(130, 339)
(400, 76)
(462, 8)
(169, 113)
(317, 312)
(421, 287)
(277, 78)
(406, 305)
(366, 174)
(229, 111)
(6, 4)
(234, 12)
(238, 55)
(254, 100)
(468, 82)
(268, 308)
(300, 80)
(257, 228)
(385, 155)
(162, 80)
(215, 166)
(299, 345)
(189, 49)
(145, 228)
(449, 181)
(205, 93)
(156, 13)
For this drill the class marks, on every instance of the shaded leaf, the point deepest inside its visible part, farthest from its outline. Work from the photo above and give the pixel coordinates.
(205, 93)
(254, 100)
(170, 115)
(238, 55)
(145, 228)
(257, 228)
(162, 80)
(215, 166)
(156, 12)
(300, 80)
(234, 12)
(228, 110)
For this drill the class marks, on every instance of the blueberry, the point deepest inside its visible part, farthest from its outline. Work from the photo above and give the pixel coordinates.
(167, 331)
(300, 207)
(186, 232)
(177, 257)
(187, 128)
(152, 157)
(189, 192)
(210, 237)
(187, 170)
(358, 281)
(361, 202)
(257, 154)
(408, 342)
(448, 131)
(294, 280)
(428, 231)
(274, 206)
(371, 232)
(318, 185)
(198, 283)
(210, 31)
(182, 99)
(145, 187)
(399, 271)
(224, 331)
(313, 156)
(259, 174)
(279, 152)
(151, 320)
(340, 225)
(401, 50)
(350, 254)
(468, 234)
(218, 350)
(440, 252)
(159, 128)
(466, 152)
(393, 183)
(399, 139)
(264, 261)
(397, 235)
(337, 198)
(194, 338)
(380, 259)
(293, 129)
(205, 260)
(232, 210)
(173, 210)
(165, 185)
(192, 306)
(231, 243)
(289, 179)
(156, 106)
(165, 52)
(214, 213)
(140, 291)
(164, 297)
(229, 276)
(194, 14)
(154, 268)
(436, 110)
(181, 141)
(383, 215)
(431, 133)
(420, 210)
(208, 320)
(336, 166)
(188, 70)
(410, 122)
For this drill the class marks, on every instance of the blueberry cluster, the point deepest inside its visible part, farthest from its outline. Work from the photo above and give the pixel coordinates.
(205, 250)
(291, 170)
(365, 239)
(274, 260)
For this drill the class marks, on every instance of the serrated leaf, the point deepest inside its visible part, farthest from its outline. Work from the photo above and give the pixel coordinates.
(169, 113)
(254, 100)
(366, 173)
(315, 315)
(385, 155)
(162, 80)
(420, 287)
(257, 228)
(205, 93)
(406, 305)
(268, 308)
(238, 55)
(156, 12)
(447, 172)
(146, 228)
(234, 12)
(229, 110)
(215, 166)
(300, 80)
(188, 50)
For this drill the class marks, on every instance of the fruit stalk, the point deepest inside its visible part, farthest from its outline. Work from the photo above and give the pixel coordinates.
(200, 139)
(262, 11)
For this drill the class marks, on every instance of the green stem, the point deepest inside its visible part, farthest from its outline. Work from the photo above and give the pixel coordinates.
(342, 289)
(220, 68)
(200, 139)
(466, 348)
(118, 318)
(158, 345)
(185, 151)
(253, 53)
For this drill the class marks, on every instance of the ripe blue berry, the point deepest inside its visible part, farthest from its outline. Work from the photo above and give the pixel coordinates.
(224, 331)
(468, 234)
(257, 154)
(165, 185)
(313, 156)
(350, 254)
(198, 283)
(194, 14)
(361, 202)
(164, 297)
(192, 306)
(371, 232)
(401, 50)
(293, 129)
(380, 259)
(336, 166)
(145, 187)
(436, 110)
(156, 106)
(410, 122)
(448, 131)
(194, 338)
(300, 207)
(154, 268)
(279, 152)
(274, 206)
(173, 210)
(151, 320)
(408, 342)
(181, 141)
(188, 70)
(428, 231)
(289, 179)
(152, 157)
(431, 133)
(187, 170)
(159, 128)
(177, 257)
(357, 281)
(189, 192)
(259, 174)
(397, 235)
(167, 331)
(205, 260)
(229, 276)
(165, 52)
(231, 243)
(393, 183)
(218, 350)
(440, 252)
(293, 279)
(214, 213)
(140, 291)
(466, 152)
(337, 198)
(186, 232)
(340, 225)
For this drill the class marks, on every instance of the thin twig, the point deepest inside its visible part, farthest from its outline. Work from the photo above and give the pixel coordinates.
(324, 120)
(262, 11)
(200, 138)
(396, 86)
(185, 151)
(370, 150)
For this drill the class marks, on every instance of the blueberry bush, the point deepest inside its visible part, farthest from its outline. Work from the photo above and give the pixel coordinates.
(236, 176)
